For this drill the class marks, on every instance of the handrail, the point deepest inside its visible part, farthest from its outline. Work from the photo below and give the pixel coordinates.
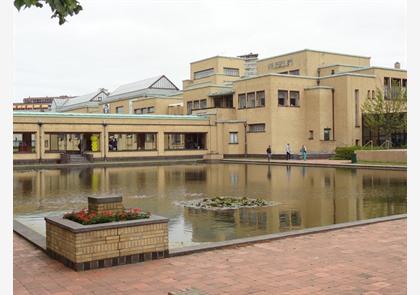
(370, 142)
(387, 143)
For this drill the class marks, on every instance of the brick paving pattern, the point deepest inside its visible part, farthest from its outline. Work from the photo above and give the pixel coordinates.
(367, 260)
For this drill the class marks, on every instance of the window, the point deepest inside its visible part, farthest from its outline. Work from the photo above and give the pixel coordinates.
(373, 94)
(282, 98)
(294, 72)
(332, 72)
(119, 110)
(151, 110)
(189, 107)
(250, 100)
(242, 101)
(404, 83)
(327, 133)
(256, 128)
(132, 141)
(260, 98)
(231, 72)
(203, 74)
(185, 141)
(294, 98)
(196, 104)
(233, 137)
(203, 103)
(284, 73)
(311, 134)
(24, 142)
(368, 95)
(356, 108)
(137, 111)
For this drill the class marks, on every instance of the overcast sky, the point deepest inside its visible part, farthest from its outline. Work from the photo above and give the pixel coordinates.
(110, 43)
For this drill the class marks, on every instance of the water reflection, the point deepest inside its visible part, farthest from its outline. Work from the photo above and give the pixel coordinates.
(306, 196)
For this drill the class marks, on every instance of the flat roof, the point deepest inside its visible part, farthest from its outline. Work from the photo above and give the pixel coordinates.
(107, 116)
(217, 56)
(319, 51)
(342, 65)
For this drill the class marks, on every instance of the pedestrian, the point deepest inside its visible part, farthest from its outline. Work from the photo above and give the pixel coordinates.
(303, 151)
(269, 153)
(288, 152)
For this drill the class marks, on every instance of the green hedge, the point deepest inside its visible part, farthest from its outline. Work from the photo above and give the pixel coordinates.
(345, 153)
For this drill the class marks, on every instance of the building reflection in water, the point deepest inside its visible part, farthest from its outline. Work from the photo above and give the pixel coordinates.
(305, 196)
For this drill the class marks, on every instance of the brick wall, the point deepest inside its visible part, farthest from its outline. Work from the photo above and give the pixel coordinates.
(83, 249)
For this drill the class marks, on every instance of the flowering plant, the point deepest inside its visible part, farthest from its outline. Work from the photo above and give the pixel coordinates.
(85, 216)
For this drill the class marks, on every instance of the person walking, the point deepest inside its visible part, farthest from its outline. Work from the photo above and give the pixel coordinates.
(303, 151)
(288, 151)
(269, 153)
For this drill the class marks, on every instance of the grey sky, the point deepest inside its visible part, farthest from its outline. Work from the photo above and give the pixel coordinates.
(115, 42)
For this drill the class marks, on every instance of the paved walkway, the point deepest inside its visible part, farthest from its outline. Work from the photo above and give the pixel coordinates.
(360, 260)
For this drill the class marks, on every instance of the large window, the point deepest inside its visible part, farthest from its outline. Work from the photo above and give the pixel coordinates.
(250, 100)
(233, 137)
(203, 74)
(356, 108)
(294, 98)
(283, 95)
(72, 142)
(260, 98)
(231, 72)
(189, 107)
(24, 142)
(203, 103)
(119, 110)
(185, 141)
(327, 134)
(242, 101)
(256, 127)
(132, 141)
(196, 104)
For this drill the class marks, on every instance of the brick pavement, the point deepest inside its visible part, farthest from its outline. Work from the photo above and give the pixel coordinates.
(360, 260)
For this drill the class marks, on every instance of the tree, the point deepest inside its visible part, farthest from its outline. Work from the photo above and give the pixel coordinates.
(386, 115)
(60, 8)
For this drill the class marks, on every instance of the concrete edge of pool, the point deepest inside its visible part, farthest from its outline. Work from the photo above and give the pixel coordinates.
(39, 241)
(194, 161)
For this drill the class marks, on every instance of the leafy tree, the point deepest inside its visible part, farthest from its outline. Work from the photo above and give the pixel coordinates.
(60, 8)
(387, 115)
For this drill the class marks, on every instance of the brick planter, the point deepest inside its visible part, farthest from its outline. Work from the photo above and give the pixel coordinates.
(84, 247)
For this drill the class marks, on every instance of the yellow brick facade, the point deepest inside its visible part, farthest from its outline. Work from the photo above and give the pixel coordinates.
(327, 113)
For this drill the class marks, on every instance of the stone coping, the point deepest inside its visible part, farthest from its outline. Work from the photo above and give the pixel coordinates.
(306, 164)
(33, 237)
(290, 234)
(105, 199)
(80, 228)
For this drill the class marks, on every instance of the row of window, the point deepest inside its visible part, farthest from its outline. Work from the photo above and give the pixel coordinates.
(293, 72)
(196, 105)
(147, 110)
(208, 72)
(288, 98)
(251, 100)
(25, 142)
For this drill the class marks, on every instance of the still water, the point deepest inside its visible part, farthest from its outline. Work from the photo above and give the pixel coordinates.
(305, 196)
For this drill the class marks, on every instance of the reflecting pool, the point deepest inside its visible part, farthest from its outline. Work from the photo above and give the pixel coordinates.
(305, 196)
